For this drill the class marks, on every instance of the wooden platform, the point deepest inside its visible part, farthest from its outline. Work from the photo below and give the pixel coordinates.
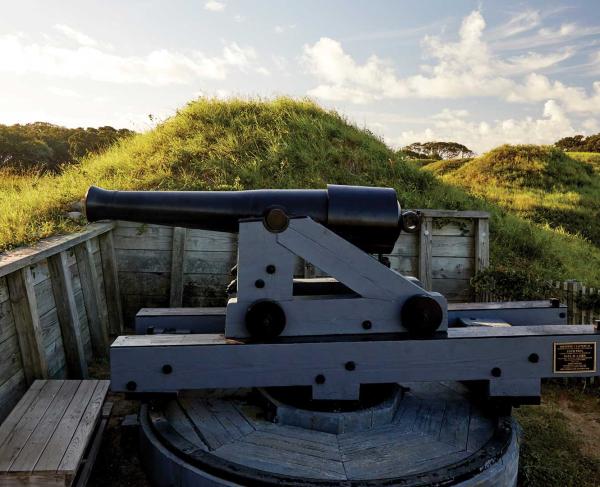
(434, 427)
(44, 439)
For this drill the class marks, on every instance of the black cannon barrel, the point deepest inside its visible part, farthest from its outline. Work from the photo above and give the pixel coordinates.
(368, 217)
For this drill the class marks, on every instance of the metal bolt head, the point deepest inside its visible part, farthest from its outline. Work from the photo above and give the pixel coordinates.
(534, 358)
(320, 379)
(167, 369)
(259, 283)
(270, 269)
(131, 386)
(496, 372)
(350, 366)
(367, 325)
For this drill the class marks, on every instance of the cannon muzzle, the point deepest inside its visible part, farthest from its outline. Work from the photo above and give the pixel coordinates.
(368, 217)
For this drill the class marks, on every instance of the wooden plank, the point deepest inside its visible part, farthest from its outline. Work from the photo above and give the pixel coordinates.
(425, 248)
(33, 448)
(19, 410)
(86, 470)
(22, 257)
(133, 260)
(3, 290)
(145, 283)
(452, 247)
(177, 259)
(45, 297)
(67, 315)
(11, 392)
(205, 262)
(27, 324)
(90, 286)
(482, 244)
(27, 423)
(452, 267)
(111, 283)
(57, 445)
(85, 428)
(11, 358)
(463, 227)
(455, 290)
(7, 322)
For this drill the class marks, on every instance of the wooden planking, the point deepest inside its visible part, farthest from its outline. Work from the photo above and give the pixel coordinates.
(27, 423)
(177, 260)
(452, 267)
(33, 449)
(11, 358)
(15, 415)
(85, 428)
(111, 283)
(10, 393)
(3, 290)
(209, 262)
(425, 252)
(27, 324)
(145, 283)
(7, 322)
(57, 445)
(455, 290)
(482, 244)
(19, 258)
(68, 316)
(90, 285)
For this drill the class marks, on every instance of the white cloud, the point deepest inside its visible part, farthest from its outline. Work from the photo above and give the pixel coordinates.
(214, 6)
(465, 68)
(64, 92)
(481, 136)
(76, 36)
(280, 29)
(517, 24)
(157, 68)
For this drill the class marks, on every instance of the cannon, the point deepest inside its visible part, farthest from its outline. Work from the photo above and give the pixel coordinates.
(328, 355)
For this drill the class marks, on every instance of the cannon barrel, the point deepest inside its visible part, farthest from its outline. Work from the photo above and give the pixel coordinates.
(368, 217)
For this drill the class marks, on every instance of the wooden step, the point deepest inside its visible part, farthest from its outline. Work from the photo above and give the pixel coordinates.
(44, 440)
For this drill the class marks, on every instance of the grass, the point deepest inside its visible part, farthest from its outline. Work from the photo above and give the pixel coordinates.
(561, 439)
(282, 143)
(540, 183)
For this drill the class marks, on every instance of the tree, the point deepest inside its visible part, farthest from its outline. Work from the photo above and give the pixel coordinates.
(44, 146)
(438, 150)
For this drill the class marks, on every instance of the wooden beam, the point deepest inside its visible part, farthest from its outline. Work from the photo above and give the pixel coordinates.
(425, 260)
(177, 257)
(111, 283)
(27, 323)
(482, 244)
(66, 309)
(26, 256)
(454, 213)
(90, 286)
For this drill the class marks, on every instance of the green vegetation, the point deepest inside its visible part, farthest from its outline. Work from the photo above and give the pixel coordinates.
(580, 143)
(540, 183)
(283, 143)
(42, 146)
(560, 439)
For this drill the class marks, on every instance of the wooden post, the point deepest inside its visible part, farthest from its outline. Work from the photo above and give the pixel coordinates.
(177, 258)
(425, 238)
(27, 323)
(90, 286)
(111, 283)
(482, 246)
(68, 317)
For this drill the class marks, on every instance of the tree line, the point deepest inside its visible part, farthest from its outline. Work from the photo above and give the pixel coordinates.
(580, 143)
(42, 146)
(437, 150)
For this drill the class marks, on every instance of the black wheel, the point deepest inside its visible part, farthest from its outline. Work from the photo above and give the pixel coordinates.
(422, 315)
(265, 319)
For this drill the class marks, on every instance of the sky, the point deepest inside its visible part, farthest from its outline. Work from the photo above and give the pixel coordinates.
(481, 73)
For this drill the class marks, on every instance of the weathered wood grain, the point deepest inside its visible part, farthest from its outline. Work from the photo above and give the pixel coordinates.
(111, 283)
(19, 258)
(177, 260)
(90, 284)
(27, 324)
(425, 252)
(10, 393)
(68, 316)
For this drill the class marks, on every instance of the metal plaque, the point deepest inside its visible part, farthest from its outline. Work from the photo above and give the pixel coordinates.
(573, 357)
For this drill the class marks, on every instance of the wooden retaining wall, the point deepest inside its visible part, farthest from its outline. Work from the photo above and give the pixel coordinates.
(57, 305)
(164, 266)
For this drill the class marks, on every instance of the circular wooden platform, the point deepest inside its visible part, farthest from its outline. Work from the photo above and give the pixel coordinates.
(435, 436)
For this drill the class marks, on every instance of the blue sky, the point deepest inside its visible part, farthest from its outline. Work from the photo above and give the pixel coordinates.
(481, 73)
